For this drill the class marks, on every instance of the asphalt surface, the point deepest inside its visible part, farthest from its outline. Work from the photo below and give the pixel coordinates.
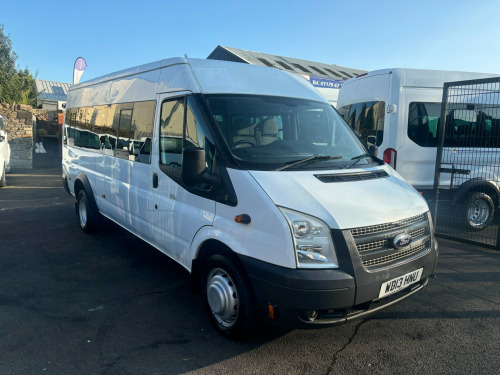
(107, 303)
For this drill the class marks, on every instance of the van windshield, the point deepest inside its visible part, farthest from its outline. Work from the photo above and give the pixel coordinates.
(275, 133)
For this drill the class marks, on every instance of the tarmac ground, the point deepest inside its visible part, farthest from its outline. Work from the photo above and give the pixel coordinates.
(108, 303)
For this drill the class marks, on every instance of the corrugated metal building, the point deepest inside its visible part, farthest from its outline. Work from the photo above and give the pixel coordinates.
(50, 94)
(327, 78)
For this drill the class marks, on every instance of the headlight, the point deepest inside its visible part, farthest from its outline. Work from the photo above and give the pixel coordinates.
(312, 242)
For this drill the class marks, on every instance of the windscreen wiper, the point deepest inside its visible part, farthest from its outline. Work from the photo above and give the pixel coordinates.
(357, 159)
(308, 161)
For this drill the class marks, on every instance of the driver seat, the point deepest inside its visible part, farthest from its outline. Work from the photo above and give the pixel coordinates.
(267, 132)
(243, 133)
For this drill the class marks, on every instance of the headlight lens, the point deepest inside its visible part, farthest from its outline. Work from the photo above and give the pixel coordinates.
(312, 242)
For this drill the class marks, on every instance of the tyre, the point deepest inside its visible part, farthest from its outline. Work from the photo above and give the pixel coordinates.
(88, 215)
(228, 298)
(478, 211)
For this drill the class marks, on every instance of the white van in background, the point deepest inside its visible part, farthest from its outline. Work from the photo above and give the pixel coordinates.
(396, 112)
(249, 179)
(4, 154)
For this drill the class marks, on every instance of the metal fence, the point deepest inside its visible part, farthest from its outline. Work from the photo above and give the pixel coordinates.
(467, 176)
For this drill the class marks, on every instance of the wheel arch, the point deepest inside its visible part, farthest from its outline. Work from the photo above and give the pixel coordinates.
(206, 249)
(82, 182)
(478, 185)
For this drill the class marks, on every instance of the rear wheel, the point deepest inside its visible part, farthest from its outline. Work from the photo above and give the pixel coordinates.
(228, 297)
(88, 216)
(478, 211)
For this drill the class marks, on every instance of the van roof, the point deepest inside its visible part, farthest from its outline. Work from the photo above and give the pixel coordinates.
(423, 77)
(197, 75)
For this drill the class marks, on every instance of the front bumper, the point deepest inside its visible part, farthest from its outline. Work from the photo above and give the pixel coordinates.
(306, 298)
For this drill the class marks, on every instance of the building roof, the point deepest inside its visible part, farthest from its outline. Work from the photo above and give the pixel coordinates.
(303, 67)
(51, 91)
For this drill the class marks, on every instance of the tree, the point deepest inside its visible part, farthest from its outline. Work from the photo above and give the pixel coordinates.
(16, 85)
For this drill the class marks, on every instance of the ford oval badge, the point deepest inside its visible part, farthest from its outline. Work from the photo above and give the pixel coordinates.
(402, 240)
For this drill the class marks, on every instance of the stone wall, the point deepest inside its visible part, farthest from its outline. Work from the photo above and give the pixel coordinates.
(18, 121)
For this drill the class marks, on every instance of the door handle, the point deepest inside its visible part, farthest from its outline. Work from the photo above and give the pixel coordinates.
(155, 180)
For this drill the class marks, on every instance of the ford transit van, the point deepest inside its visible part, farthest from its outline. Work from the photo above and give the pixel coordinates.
(248, 178)
(396, 112)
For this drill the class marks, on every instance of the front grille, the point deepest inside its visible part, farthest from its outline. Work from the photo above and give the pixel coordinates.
(385, 227)
(393, 256)
(384, 243)
(375, 243)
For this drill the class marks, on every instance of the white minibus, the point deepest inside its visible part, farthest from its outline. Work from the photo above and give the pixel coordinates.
(249, 179)
(396, 113)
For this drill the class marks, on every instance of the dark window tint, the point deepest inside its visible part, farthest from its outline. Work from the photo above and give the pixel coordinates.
(472, 126)
(423, 123)
(367, 120)
(120, 130)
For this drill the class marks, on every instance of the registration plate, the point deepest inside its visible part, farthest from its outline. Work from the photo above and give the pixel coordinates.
(399, 283)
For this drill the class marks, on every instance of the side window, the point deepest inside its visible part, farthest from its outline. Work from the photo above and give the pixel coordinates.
(367, 120)
(123, 149)
(142, 131)
(83, 134)
(182, 125)
(99, 124)
(108, 139)
(195, 130)
(171, 132)
(423, 123)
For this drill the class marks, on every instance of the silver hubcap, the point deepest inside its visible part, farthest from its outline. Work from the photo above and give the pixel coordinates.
(82, 212)
(478, 212)
(222, 297)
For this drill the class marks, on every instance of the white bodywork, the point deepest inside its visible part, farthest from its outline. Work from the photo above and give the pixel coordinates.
(398, 88)
(4, 151)
(178, 222)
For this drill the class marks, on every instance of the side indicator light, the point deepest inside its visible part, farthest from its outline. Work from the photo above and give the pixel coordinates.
(243, 219)
(272, 311)
(104, 196)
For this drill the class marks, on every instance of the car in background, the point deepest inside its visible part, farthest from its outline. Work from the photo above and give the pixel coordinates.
(4, 154)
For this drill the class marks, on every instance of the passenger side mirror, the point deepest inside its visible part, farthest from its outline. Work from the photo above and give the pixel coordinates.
(193, 170)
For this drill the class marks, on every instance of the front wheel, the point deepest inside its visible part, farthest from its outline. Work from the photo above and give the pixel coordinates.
(478, 211)
(228, 297)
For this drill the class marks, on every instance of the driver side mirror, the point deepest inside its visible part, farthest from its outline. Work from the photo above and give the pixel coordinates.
(193, 170)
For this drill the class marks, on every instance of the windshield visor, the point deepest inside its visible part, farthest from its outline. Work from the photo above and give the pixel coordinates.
(268, 133)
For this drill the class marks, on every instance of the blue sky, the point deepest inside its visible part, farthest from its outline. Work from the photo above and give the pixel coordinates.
(112, 35)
